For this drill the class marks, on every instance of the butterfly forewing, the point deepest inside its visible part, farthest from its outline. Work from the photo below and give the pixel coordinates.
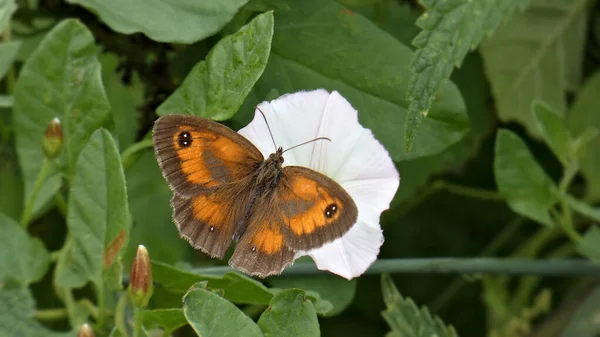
(314, 208)
(197, 154)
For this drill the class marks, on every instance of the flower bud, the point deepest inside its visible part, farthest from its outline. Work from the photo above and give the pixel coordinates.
(53, 138)
(140, 279)
(85, 331)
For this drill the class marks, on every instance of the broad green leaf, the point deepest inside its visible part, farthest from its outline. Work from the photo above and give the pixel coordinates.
(23, 259)
(98, 217)
(152, 226)
(536, 55)
(336, 291)
(584, 322)
(7, 8)
(17, 310)
(6, 101)
(8, 53)
(290, 313)
(237, 288)
(522, 181)
(583, 208)
(450, 29)
(554, 131)
(211, 315)
(167, 319)
(583, 115)
(319, 44)
(405, 319)
(60, 79)
(590, 244)
(124, 100)
(217, 87)
(180, 21)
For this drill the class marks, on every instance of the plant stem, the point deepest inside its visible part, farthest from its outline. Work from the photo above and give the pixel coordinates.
(450, 265)
(137, 332)
(469, 192)
(60, 203)
(101, 302)
(51, 314)
(39, 182)
(120, 314)
(127, 156)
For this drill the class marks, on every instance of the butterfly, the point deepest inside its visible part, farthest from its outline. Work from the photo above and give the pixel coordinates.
(224, 190)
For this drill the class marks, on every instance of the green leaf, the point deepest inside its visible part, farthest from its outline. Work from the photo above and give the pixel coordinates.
(450, 30)
(211, 315)
(584, 115)
(405, 319)
(124, 100)
(290, 313)
(24, 259)
(167, 319)
(590, 244)
(98, 217)
(17, 310)
(8, 53)
(7, 8)
(6, 101)
(584, 322)
(153, 226)
(182, 21)
(554, 131)
(238, 288)
(217, 87)
(315, 46)
(583, 208)
(522, 181)
(536, 55)
(60, 79)
(337, 292)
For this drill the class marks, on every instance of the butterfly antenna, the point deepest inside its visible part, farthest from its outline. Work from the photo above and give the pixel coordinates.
(310, 141)
(268, 127)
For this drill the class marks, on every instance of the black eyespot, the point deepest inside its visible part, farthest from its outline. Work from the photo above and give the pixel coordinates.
(185, 139)
(254, 248)
(212, 228)
(330, 210)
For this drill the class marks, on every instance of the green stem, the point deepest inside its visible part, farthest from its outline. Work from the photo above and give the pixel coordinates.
(128, 155)
(60, 203)
(120, 314)
(51, 314)
(101, 302)
(469, 192)
(39, 182)
(450, 265)
(138, 316)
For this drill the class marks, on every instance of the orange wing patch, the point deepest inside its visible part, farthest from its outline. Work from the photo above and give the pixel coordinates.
(268, 241)
(208, 211)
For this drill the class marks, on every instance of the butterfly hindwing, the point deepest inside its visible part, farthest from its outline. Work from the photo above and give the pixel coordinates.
(197, 154)
(314, 208)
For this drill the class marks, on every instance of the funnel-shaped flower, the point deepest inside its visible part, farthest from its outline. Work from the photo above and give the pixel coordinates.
(353, 158)
(140, 279)
(53, 138)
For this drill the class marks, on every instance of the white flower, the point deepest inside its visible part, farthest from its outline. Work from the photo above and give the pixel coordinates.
(353, 158)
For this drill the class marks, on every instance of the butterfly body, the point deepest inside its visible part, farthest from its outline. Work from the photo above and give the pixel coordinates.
(224, 191)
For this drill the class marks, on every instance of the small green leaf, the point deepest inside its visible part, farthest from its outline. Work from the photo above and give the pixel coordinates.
(590, 244)
(213, 316)
(98, 217)
(238, 288)
(584, 115)
(522, 181)
(17, 310)
(337, 292)
(7, 8)
(315, 46)
(583, 208)
(554, 131)
(217, 87)
(537, 54)
(450, 29)
(60, 79)
(167, 319)
(584, 322)
(8, 53)
(290, 313)
(405, 319)
(23, 259)
(124, 100)
(182, 21)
